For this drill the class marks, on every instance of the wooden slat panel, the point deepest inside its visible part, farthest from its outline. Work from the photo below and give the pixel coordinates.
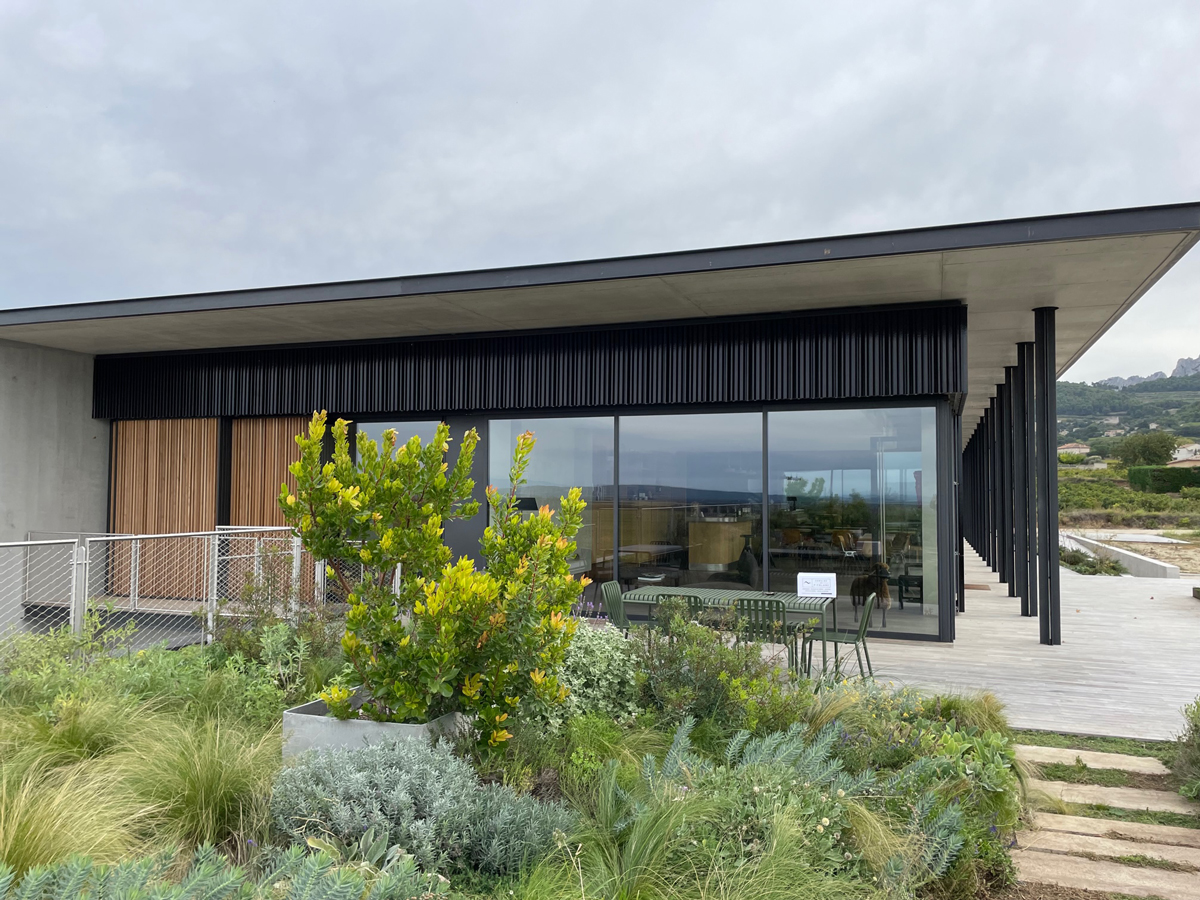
(164, 481)
(164, 476)
(262, 451)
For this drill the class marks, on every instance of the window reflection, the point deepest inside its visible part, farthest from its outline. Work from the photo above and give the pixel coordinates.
(691, 500)
(848, 495)
(576, 452)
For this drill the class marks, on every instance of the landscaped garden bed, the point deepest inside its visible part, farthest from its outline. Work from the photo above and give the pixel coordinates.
(670, 762)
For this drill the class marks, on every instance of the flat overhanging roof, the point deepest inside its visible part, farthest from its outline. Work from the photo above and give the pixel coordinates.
(1091, 266)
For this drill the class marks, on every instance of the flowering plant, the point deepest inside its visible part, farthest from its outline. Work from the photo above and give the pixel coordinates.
(427, 636)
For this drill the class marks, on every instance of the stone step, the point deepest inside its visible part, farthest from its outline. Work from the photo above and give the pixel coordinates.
(1094, 759)
(1082, 844)
(1123, 798)
(1039, 867)
(1159, 834)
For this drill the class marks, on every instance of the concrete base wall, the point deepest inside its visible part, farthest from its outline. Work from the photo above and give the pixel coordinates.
(53, 454)
(1141, 566)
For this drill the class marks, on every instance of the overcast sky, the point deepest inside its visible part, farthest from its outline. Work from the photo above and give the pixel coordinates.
(152, 148)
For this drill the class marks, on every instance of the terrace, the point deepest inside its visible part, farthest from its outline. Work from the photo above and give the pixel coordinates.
(1126, 666)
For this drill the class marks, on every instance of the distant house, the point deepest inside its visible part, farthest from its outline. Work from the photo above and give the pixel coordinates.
(1114, 432)
(1186, 452)
(1192, 462)
(1111, 420)
(1075, 448)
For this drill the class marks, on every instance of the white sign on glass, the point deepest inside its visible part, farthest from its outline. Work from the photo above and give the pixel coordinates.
(816, 584)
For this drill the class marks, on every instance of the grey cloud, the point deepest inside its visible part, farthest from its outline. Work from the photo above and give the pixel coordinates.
(159, 148)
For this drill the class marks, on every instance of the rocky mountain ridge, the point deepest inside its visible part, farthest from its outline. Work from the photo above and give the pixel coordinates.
(1183, 368)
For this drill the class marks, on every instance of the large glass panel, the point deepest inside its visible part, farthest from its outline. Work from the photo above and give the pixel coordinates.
(691, 500)
(404, 430)
(852, 491)
(576, 452)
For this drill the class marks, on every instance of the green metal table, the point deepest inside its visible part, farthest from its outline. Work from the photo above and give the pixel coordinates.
(792, 603)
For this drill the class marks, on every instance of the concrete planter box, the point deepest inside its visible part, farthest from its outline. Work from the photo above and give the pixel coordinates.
(310, 727)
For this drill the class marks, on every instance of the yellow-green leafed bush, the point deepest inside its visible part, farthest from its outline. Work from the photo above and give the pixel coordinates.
(48, 815)
(207, 782)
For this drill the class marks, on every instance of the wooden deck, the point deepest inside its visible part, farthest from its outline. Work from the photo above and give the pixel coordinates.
(1130, 657)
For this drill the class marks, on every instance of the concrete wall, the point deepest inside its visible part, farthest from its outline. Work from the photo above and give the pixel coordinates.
(1138, 565)
(53, 454)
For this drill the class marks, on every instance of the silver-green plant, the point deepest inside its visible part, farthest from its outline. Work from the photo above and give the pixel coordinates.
(296, 875)
(420, 797)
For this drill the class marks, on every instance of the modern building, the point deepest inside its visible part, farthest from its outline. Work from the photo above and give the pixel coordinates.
(734, 416)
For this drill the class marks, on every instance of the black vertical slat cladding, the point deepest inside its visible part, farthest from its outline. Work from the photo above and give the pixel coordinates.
(853, 355)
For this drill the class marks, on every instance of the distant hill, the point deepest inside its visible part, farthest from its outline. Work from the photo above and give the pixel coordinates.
(1162, 385)
(1184, 368)
(1118, 382)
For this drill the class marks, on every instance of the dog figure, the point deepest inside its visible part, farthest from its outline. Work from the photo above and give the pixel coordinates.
(875, 581)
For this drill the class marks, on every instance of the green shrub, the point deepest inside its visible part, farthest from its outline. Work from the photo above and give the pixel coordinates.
(1187, 758)
(689, 669)
(1152, 448)
(1189, 493)
(423, 798)
(294, 875)
(1086, 564)
(39, 670)
(1163, 479)
(982, 711)
(205, 782)
(425, 636)
(1071, 459)
(600, 674)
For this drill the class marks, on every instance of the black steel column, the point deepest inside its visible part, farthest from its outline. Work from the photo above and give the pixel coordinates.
(994, 485)
(1049, 612)
(959, 483)
(1010, 481)
(1004, 449)
(1021, 582)
(1026, 349)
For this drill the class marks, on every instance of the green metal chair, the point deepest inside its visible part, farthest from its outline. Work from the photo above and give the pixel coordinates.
(614, 604)
(857, 638)
(764, 619)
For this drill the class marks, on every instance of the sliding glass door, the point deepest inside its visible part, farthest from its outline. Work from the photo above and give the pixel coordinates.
(848, 491)
(691, 500)
(853, 492)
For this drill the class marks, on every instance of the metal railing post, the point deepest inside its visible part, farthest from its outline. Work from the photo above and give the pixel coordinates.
(319, 576)
(79, 570)
(294, 594)
(214, 566)
(135, 566)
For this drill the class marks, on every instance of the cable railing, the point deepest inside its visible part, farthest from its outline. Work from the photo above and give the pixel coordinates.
(172, 589)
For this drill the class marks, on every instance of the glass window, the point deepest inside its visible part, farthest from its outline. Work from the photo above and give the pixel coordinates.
(575, 452)
(404, 430)
(691, 500)
(852, 491)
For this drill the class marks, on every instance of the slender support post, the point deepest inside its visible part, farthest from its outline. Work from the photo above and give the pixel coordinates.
(1010, 481)
(214, 565)
(79, 585)
(1021, 582)
(1003, 524)
(294, 593)
(135, 568)
(1049, 611)
(1026, 350)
